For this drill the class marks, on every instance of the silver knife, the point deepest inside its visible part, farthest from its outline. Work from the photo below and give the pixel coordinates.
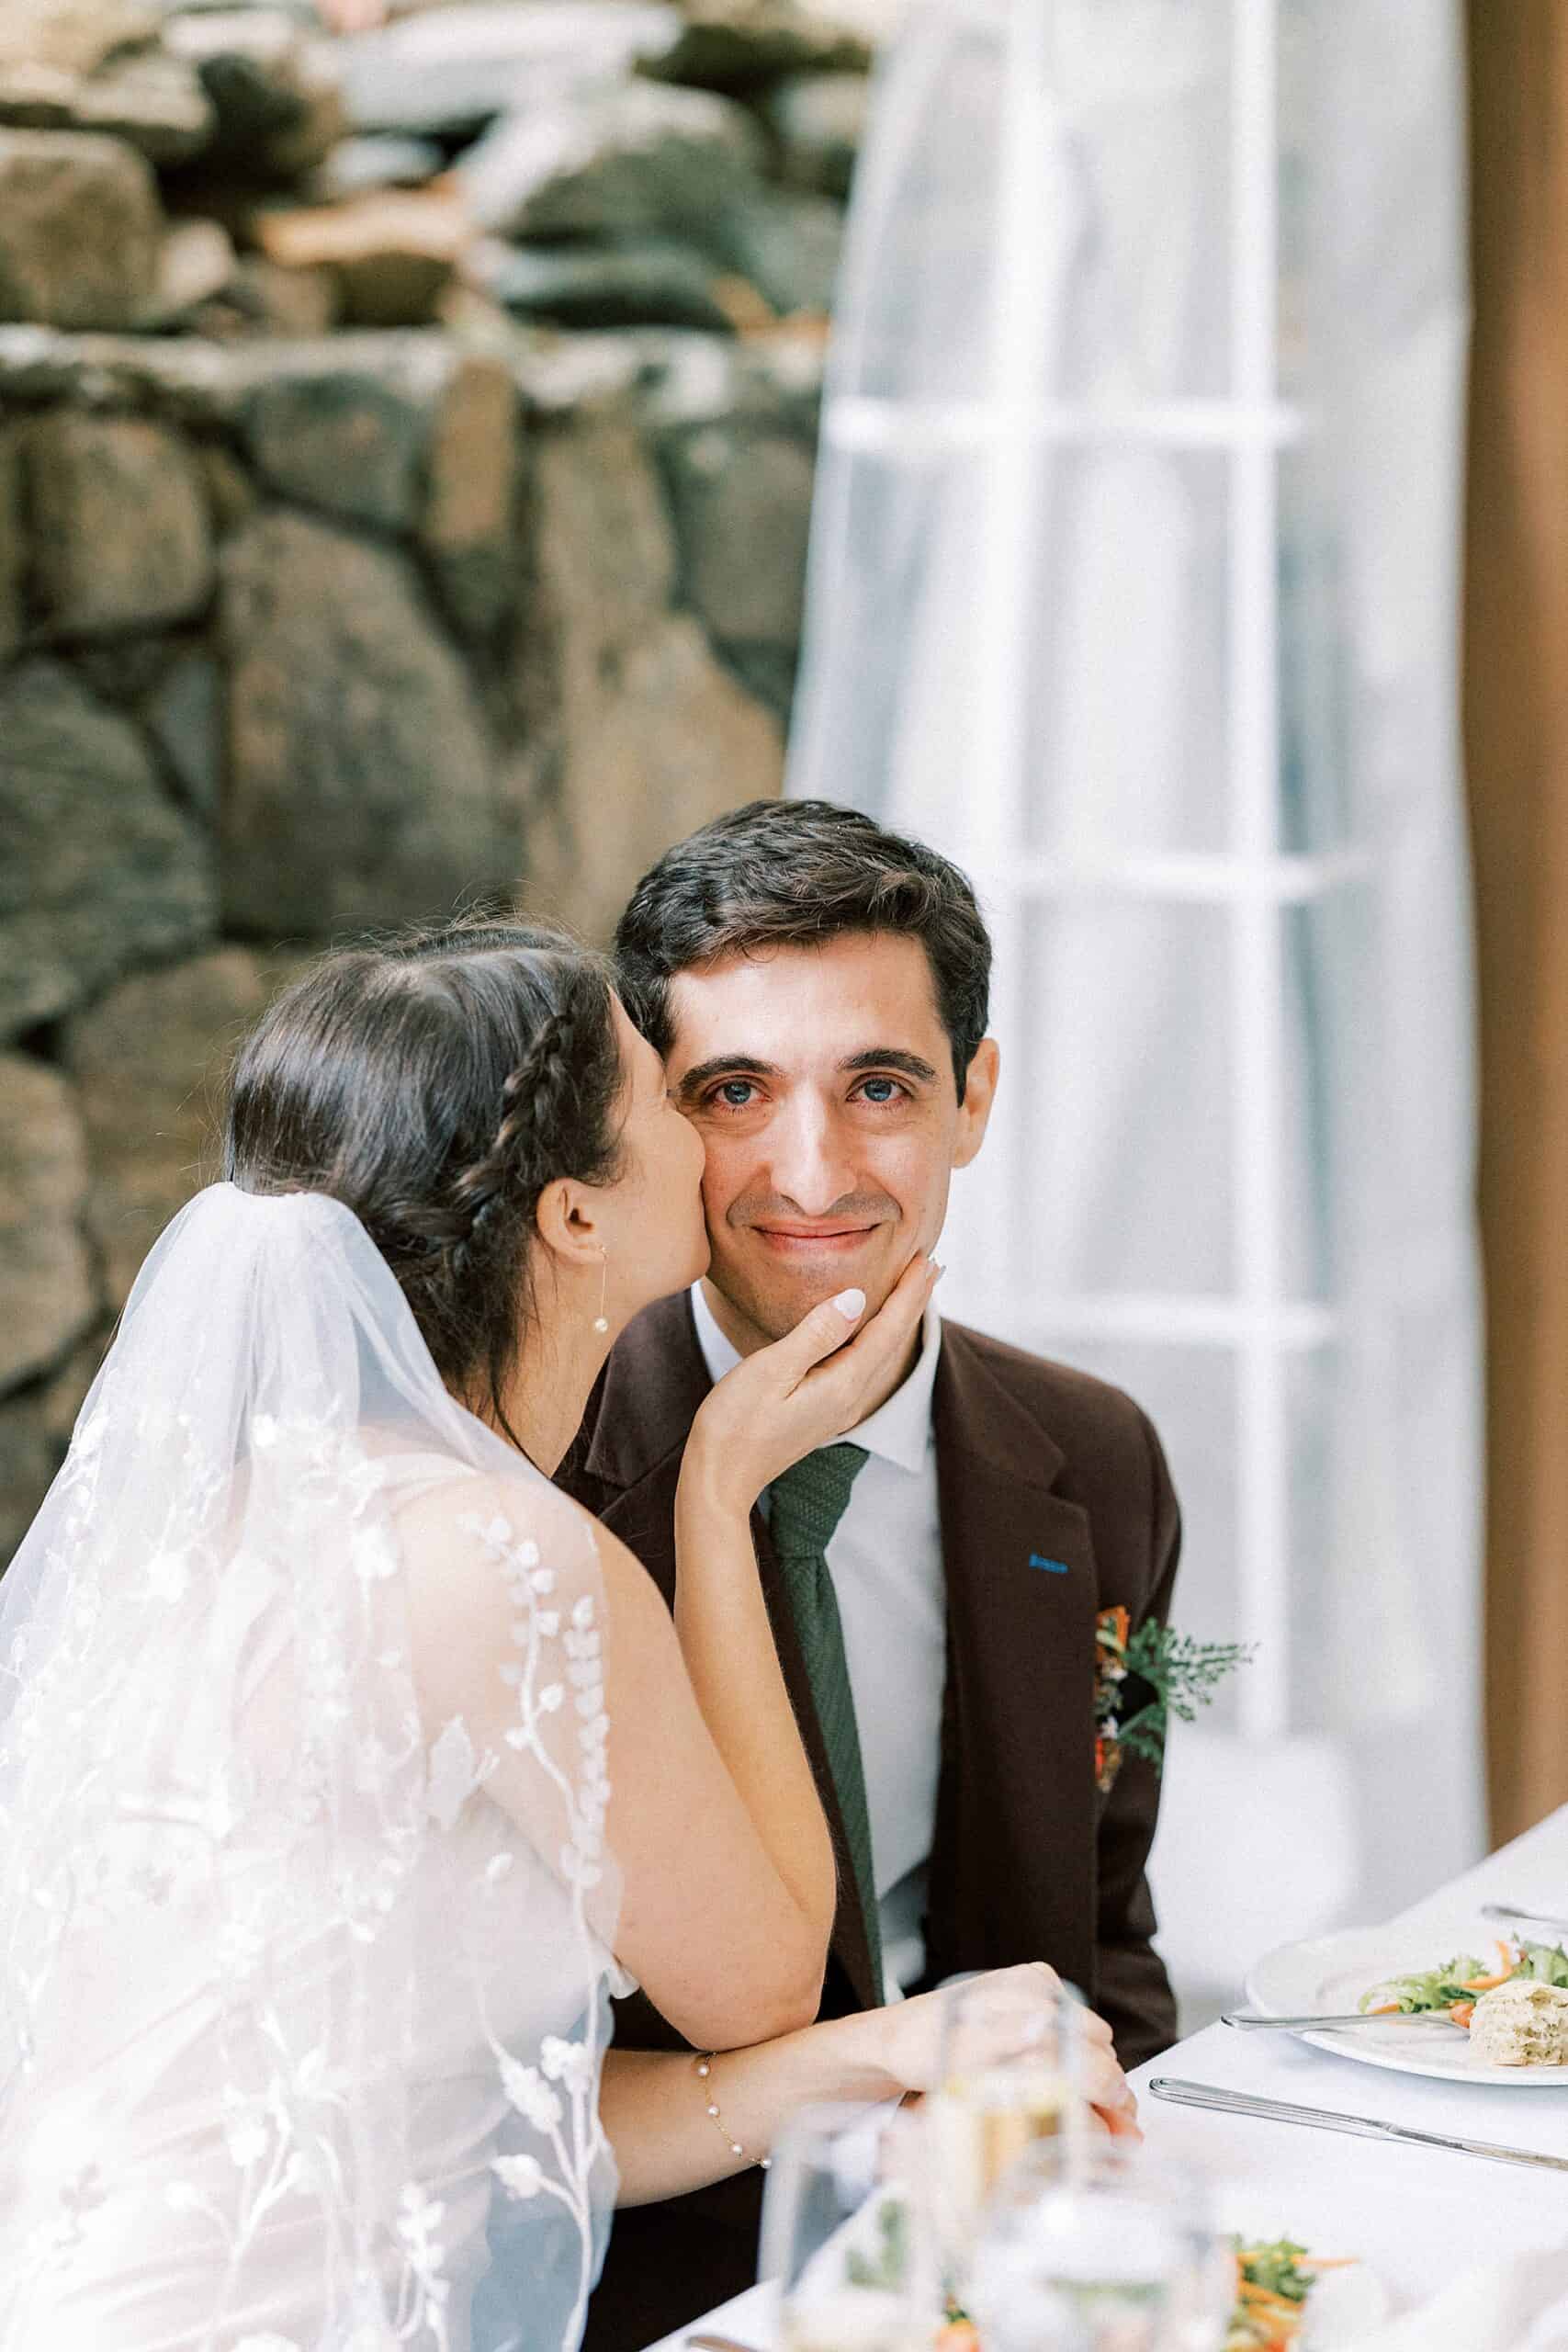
(1256, 2018)
(1530, 1918)
(1361, 2127)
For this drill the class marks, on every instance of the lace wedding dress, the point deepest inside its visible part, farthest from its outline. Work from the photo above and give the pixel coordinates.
(305, 1917)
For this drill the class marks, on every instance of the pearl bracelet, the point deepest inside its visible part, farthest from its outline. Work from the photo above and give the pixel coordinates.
(704, 2062)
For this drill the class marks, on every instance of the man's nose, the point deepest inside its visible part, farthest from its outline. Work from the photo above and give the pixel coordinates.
(810, 1164)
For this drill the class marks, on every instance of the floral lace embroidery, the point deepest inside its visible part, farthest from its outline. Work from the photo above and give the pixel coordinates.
(557, 2100)
(284, 2134)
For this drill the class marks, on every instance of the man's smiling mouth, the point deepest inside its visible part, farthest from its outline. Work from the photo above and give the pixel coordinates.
(802, 1239)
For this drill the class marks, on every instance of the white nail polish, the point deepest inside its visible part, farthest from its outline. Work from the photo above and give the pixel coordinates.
(851, 1304)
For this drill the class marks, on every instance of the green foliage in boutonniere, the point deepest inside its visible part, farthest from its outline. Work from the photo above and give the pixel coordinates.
(1179, 1674)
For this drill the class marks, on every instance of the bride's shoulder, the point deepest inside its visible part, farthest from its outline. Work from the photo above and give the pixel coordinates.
(464, 1518)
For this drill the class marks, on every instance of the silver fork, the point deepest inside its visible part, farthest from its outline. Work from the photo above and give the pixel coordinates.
(1256, 2019)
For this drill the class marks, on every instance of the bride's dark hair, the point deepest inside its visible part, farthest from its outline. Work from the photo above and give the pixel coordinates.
(436, 1083)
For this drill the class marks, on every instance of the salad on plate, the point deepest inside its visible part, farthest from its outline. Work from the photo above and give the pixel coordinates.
(1274, 2281)
(1454, 1989)
(1273, 2285)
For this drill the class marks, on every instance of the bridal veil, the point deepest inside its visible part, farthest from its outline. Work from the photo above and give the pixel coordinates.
(306, 1914)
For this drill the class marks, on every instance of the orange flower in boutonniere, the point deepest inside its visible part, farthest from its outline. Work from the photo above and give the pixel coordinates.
(1179, 1674)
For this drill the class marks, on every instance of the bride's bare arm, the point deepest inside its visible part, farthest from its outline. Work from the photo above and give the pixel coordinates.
(726, 1878)
(654, 2105)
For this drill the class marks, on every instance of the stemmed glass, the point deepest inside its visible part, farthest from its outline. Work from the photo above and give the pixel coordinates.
(844, 2233)
(1008, 2076)
(1098, 2248)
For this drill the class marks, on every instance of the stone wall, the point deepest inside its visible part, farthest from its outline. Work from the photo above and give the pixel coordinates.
(303, 633)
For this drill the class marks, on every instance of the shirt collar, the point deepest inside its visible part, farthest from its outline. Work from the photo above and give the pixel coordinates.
(899, 1431)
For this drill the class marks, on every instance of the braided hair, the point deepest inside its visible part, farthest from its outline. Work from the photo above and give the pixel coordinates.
(436, 1083)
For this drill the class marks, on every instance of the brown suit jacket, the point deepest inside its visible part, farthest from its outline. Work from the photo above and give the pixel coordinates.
(1055, 1503)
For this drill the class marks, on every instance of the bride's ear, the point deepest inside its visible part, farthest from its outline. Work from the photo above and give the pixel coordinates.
(568, 1224)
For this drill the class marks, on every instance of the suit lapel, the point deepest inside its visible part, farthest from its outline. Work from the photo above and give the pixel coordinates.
(1013, 1864)
(629, 1456)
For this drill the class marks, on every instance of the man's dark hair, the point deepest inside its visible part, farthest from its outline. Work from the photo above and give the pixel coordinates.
(797, 873)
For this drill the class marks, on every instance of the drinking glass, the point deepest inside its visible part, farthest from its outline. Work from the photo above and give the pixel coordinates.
(844, 2233)
(1009, 2076)
(1098, 2248)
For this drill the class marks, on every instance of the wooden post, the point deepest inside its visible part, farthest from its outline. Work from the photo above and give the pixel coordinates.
(1516, 715)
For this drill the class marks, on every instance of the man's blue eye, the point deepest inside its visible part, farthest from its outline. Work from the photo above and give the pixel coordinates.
(735, 1090)
(880, 1090)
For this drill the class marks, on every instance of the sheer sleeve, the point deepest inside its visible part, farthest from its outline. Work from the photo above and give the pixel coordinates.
(507, 1627)
(307, 1920)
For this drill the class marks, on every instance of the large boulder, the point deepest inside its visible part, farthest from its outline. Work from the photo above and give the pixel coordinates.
(473, 461)
(264, 298)
(744, 45)
(391, 254)
(73, 36)
(357, 425)
(604, 549)
(274, 91)
(352, 728)
(819, 121)
(98, 870)
(149, 1060)
(644, 736)
(13, 546)
(47, 1292)
(650, 282)
(154, 102)
(35, 1429)
(631, 161)
(446, 72)
(327, 431)
(182, 712)
(660, 744)
(80, 230)
(786, 244)
(119, 524)
(742, 504)
(29, 1457)
(197, 265)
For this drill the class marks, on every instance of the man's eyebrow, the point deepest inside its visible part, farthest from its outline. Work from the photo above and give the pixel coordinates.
(892, 1058)
(702, 1074)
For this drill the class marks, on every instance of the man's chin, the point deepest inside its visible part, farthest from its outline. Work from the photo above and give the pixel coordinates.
(774, 1307)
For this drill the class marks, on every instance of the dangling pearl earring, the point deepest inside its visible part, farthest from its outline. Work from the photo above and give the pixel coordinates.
(601, 1321)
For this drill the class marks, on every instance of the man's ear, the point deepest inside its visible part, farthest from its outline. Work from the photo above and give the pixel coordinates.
(568, 1221)
(979, 1094)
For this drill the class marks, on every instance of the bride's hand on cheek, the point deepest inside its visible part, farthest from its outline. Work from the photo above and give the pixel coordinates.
(807, 1389)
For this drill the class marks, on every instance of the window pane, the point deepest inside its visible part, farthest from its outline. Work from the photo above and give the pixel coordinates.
(1123, 1067)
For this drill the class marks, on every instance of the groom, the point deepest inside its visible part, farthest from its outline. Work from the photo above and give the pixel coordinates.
(818, 989)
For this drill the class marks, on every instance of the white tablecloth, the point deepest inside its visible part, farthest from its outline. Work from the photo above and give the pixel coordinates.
(1417, 2217)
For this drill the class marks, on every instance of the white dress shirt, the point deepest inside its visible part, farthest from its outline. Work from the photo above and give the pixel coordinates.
(886, 1561)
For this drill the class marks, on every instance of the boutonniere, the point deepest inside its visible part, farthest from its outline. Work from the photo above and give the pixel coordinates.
(1179, 1674)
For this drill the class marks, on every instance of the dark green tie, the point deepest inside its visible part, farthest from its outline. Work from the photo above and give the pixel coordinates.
(805, 1506)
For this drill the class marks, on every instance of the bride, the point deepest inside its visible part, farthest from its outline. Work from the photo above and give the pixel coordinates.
(345, 1766)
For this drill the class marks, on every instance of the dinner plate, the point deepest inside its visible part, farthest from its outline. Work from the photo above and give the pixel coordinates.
(1331, 1973)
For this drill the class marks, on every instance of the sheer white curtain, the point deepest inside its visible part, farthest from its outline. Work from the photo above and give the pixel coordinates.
(1134, 586)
